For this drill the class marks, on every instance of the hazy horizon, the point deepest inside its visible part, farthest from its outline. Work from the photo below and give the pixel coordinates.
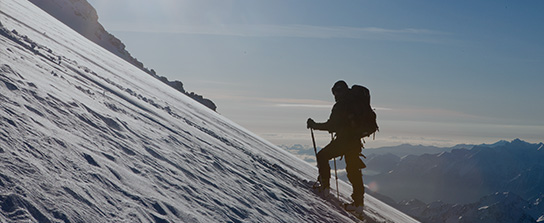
(440, 73)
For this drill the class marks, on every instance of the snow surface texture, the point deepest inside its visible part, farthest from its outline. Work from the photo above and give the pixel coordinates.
(87, 137)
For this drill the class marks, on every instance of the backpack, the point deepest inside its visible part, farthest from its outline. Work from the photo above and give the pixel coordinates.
(361, 116)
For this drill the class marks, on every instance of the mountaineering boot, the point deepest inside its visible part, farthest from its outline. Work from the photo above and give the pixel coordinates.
(356, 206)
(324, 186)
(322, 189)
(356, 209)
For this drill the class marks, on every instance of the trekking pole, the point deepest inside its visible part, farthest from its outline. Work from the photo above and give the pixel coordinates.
(336, 174)
(313, 141)
(315, 151)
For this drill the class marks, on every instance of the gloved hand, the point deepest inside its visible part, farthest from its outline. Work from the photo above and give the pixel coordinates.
(310, 123)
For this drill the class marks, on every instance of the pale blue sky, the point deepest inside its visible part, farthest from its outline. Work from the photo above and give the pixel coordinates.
(440, 72)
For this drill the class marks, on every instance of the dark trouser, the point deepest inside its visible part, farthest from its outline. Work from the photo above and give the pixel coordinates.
(350, 148)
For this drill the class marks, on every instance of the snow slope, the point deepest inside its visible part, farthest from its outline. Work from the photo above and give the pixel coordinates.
(87, 137)
(82, 17)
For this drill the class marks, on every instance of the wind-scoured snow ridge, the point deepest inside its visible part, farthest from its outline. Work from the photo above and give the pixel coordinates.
(82, 18)
(87, 137)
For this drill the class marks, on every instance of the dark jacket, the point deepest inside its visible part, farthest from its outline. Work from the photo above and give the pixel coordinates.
(338, 122)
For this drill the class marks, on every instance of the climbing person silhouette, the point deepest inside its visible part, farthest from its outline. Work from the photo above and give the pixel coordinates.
(346, 143)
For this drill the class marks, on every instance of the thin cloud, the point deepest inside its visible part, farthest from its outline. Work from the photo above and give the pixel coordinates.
(301, 31)
(303, 105)
(297, 105)
(382, 109)
(274, 102)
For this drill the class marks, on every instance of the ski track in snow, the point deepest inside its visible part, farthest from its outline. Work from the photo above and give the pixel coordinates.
(87, 137)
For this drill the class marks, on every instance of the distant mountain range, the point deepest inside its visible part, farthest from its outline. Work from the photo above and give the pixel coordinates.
(462, 175)
(462, 178)
(496, 207)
